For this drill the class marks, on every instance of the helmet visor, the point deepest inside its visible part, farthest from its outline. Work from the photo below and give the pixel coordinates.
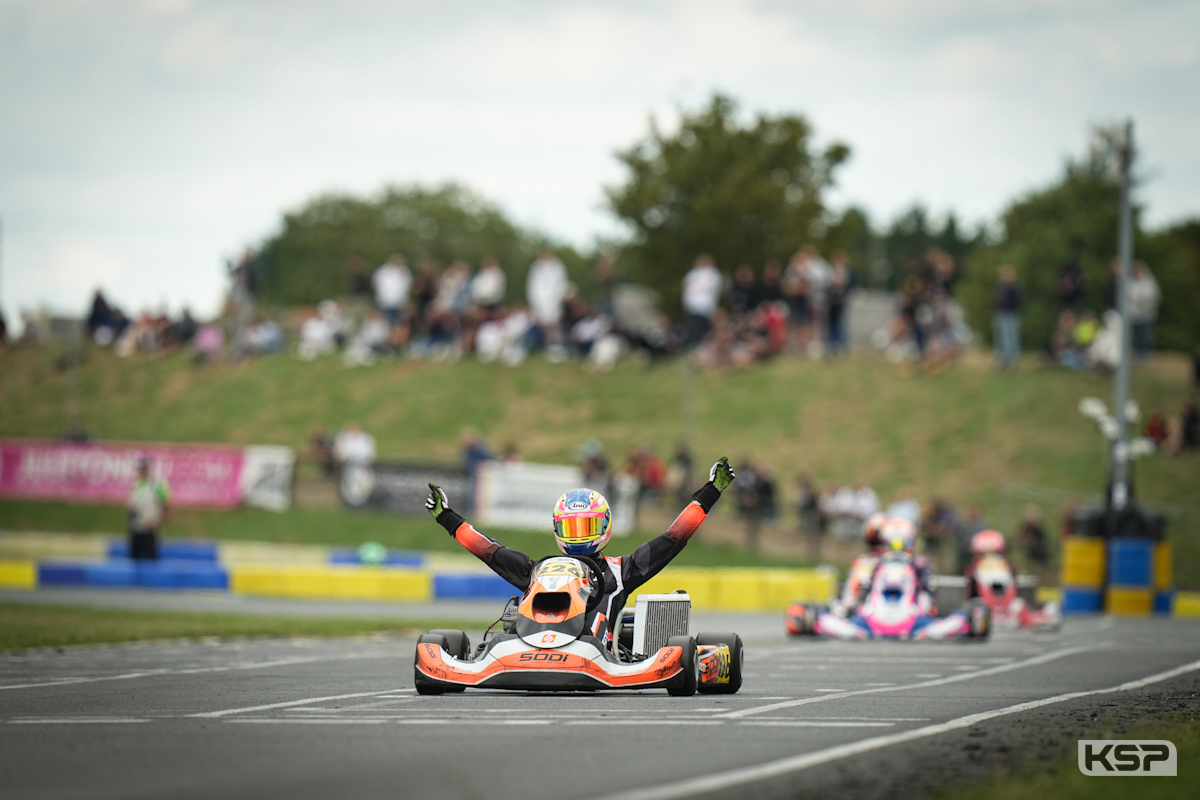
(579, 529)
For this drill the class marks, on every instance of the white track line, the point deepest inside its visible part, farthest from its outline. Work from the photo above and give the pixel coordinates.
(963, 676)
(784, 766)
(153, 673)
(289, 704)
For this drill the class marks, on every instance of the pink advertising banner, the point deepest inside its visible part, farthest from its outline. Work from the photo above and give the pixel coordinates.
(199, 475)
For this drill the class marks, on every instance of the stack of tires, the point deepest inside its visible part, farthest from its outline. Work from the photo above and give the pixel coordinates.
(1083, 563)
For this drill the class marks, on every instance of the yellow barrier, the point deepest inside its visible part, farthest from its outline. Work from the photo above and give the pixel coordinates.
(740, 589)
(18, 574)
(1187, 604)
(344, 583)
(269, 553)
(21, 545)
(1048, 594)
(1162, 566)
(1083, 562)
(1129, 602)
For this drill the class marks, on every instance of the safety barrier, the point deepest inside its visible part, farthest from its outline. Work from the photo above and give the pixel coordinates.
(18, 574)
(341, 583)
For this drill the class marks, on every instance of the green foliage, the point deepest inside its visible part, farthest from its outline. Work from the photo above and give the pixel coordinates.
(742, 193)
(311, 256)
(1077, 217)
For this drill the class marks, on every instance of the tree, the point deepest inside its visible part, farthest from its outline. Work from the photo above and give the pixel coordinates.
(309, 258)
(741, 193)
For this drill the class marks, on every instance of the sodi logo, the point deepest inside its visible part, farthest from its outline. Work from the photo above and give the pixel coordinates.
(1127, 757)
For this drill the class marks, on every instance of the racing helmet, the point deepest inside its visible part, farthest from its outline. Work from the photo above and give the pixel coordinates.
(582, 522)
(872, 527)
(986, 542)
(899, 534)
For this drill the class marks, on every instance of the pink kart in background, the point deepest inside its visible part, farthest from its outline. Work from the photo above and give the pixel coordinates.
(895, 608)
(993, 583)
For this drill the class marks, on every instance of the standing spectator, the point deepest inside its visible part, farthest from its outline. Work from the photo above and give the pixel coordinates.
(1032, 536)
(358, 290)
(679, 476)
(1006, 321)
(606, 284)
(488, 287)
(796, 291)
(1071, 286)
(353, 446)
(474, 450)
(392, 281)
(772, 283)
(148, 506)
(1156, 428)
(938, 528)
(743, 295)
(545, 288)
(1144, 297)
(819, 274)
(3, 332)
(806, 501)
(1191, 427)
(242, 296)
(1196, 369)
(841, 280)
(320, 449)
(701, 291)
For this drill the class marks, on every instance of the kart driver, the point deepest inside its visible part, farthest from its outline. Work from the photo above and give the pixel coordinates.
(858, 579)
(900, 536)
(985, 544)
(582, 527)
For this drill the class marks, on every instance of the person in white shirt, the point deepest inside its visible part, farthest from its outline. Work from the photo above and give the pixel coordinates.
(353, 445)
(148, 505)
(701, 293)
(545, 288)
(488, 287)
(1144, 297)
(392, 282)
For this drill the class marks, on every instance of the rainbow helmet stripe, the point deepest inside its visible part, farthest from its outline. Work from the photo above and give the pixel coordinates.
(582, 522)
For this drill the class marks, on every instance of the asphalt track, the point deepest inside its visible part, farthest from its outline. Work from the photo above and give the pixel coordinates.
(339, 718)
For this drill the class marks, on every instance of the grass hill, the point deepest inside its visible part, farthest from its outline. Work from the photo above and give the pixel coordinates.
(963, 434)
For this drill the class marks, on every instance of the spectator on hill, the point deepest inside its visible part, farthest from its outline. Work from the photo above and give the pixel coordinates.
(1032, 537)
(1071, 286)
(905, 506)
(3, 332)
(772, 282)
(545, 288)
(148, 505)
(841, 281)
(938, 527)
(1006, 319)
(743, 294)
(359, 292)
(353, 446)
(679, 476)
(1191, 426)
(1144, 297)
(392, 282)
(1156, 428)
(806, 502)
(819, 274)
(606, 284)
(242, 294)
(207, 343)
(797, 292)
(320, 450)
(474, 450)
(596, 474)
(488, 288)
(1196, 369)
(701, 294)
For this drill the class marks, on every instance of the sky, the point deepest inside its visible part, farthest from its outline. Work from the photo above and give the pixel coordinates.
(144, 143)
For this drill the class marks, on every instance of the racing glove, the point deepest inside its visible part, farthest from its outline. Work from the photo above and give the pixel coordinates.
(437, 502)
(721, 474)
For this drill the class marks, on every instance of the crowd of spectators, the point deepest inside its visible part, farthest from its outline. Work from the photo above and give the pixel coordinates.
(930, 325)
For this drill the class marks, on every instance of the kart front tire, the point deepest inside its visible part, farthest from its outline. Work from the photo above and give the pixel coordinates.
(447, 640)
(736, 657)
(688, 661)
(980, 619)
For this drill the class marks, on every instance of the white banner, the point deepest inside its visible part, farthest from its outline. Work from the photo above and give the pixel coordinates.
(267, 476)
(523, 495)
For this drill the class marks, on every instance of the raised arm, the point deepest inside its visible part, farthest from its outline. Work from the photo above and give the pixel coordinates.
(512, 565)
(648, 559)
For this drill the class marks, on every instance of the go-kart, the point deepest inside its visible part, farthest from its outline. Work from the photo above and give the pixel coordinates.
(997, 588)
(544, 645)
(895, 608)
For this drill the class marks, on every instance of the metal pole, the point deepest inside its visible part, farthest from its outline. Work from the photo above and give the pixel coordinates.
(1120, 446)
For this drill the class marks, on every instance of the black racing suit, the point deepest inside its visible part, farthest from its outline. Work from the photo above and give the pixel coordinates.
(618, 576)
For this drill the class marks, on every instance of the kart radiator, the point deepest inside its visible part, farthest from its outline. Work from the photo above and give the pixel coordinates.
(658, 617)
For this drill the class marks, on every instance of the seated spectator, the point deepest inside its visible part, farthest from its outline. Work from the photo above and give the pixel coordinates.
(322, 333)
(208, 343)
(372, 340)
(1156, 428)
(1105, 350)
(320, 450)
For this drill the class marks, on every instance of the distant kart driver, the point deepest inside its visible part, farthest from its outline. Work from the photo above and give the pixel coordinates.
(582, 527)
(858, 579)
(986, 545)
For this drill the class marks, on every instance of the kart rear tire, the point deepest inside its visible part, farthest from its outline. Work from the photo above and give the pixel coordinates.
(691, 675)
(980, 619)
(736, 657)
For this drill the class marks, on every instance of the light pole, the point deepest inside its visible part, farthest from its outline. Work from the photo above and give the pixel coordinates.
(1119, 496)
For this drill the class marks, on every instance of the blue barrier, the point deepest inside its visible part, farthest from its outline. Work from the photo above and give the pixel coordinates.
(51, 573)
(1082, 600)
(1164, 602)
(1131, 562)
(472, 587)
(394, 558)
(171, 549)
